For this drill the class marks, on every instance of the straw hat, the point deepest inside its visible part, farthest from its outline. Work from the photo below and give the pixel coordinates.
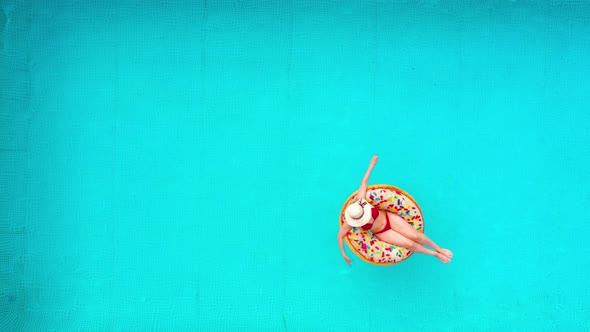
(358, 213)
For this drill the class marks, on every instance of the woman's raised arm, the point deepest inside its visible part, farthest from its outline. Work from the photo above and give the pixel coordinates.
(363, 188)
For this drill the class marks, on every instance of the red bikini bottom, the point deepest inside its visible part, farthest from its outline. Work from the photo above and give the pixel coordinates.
(387, 225)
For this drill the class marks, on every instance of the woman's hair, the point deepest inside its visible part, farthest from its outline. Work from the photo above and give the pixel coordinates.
(354, 200)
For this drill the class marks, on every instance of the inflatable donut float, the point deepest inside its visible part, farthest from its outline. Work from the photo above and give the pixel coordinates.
(364, 244)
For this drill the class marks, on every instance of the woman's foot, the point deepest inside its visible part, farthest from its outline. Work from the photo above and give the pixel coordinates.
(446, 252)
(443, 258)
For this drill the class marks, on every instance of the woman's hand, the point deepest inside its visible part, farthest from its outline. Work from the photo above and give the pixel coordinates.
(344, 229)
(374, 160)
(348, 261)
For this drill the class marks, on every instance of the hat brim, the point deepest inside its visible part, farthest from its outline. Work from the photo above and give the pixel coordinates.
(362, 220)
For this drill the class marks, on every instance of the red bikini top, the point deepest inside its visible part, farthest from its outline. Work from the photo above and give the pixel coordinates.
(374, 215)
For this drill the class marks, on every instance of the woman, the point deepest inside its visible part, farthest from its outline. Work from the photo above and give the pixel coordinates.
(386, 226)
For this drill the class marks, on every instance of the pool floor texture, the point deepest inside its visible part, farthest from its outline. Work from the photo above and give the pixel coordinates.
(181, 165)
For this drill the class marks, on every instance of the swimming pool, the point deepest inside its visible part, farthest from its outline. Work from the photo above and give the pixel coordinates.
(173, 166)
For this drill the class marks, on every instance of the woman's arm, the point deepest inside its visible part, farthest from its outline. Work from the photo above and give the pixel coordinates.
(363, 188)
(344, 229)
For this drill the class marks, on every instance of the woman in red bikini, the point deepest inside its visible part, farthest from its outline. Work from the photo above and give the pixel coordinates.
(386, 226)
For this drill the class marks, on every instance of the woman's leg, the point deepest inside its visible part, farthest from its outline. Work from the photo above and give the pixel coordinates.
(395, 238)
(401, 226)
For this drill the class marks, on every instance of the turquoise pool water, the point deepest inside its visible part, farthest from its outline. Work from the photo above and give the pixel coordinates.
(181, 167)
